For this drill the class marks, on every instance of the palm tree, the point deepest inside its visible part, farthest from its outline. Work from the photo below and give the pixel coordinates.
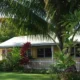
(46, 17)
(43, 16)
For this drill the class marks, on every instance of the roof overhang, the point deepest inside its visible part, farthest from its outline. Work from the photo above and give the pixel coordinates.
(20, 41)
(34, 40)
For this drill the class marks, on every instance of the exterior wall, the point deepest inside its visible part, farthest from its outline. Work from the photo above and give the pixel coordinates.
(0, 54)
(55, 48)
(77, 59)
(34, 52)
(3, 53)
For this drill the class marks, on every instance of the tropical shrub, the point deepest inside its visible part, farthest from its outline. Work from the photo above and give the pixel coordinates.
(24, 58)
(12, 60)
(15, 59)
(62, 63)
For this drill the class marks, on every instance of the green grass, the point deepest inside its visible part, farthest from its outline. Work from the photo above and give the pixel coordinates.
(23, 76)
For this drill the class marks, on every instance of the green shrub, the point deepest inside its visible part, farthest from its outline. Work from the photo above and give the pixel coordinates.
(36, 71)
(2, 65)
(62, 63)
(70, 76)
(73, 76)
(12, 61)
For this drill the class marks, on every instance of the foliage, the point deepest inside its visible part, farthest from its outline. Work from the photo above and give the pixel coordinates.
(24, 58)
(15, 59)
(44, 17)
(36, 71)
(62, 62)
(7, 29)
(12, 61)
(66, 76)
(63, 66)
(49, 15)
(1, 65)
(73, 76)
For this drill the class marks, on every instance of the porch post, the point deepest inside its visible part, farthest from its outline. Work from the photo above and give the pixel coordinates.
(52, 51)
(74, 52)
(5, 52)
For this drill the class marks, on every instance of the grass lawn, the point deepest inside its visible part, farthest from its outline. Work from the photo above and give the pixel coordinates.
(23, 76)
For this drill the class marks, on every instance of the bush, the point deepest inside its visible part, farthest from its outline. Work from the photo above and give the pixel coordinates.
(73, 76)
(65, 76)
(64, 63)
(70, 76)
(38, 71)
(2, 65)
(12, 61)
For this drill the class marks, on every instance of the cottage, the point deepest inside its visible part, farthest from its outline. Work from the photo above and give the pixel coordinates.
(42, 50)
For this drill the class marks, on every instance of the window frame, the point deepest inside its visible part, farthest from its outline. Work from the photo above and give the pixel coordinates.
(75, 51)
(27, 53)
(44, 52)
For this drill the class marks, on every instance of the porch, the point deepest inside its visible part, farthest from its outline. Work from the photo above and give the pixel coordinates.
(44, 56)
(43, 64)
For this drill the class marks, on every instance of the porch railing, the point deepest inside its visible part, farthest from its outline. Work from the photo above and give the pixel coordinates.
(39, 64)
(45, 65)
(78, 66)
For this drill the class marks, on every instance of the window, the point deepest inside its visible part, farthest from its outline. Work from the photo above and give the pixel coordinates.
(75, 51)
(40, 52)
(72, 51)
(28, 53)
(48, 52)
(44, 52)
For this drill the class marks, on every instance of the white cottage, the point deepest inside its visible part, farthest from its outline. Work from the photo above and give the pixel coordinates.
(42, 50)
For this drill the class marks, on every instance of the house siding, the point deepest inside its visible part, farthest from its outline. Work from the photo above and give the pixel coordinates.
(34, 52)
(0, 54)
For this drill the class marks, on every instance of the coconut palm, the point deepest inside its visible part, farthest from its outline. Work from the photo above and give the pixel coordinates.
(44, 16)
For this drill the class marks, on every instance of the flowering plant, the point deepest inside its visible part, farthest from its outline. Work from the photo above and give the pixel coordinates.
(24, 59)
